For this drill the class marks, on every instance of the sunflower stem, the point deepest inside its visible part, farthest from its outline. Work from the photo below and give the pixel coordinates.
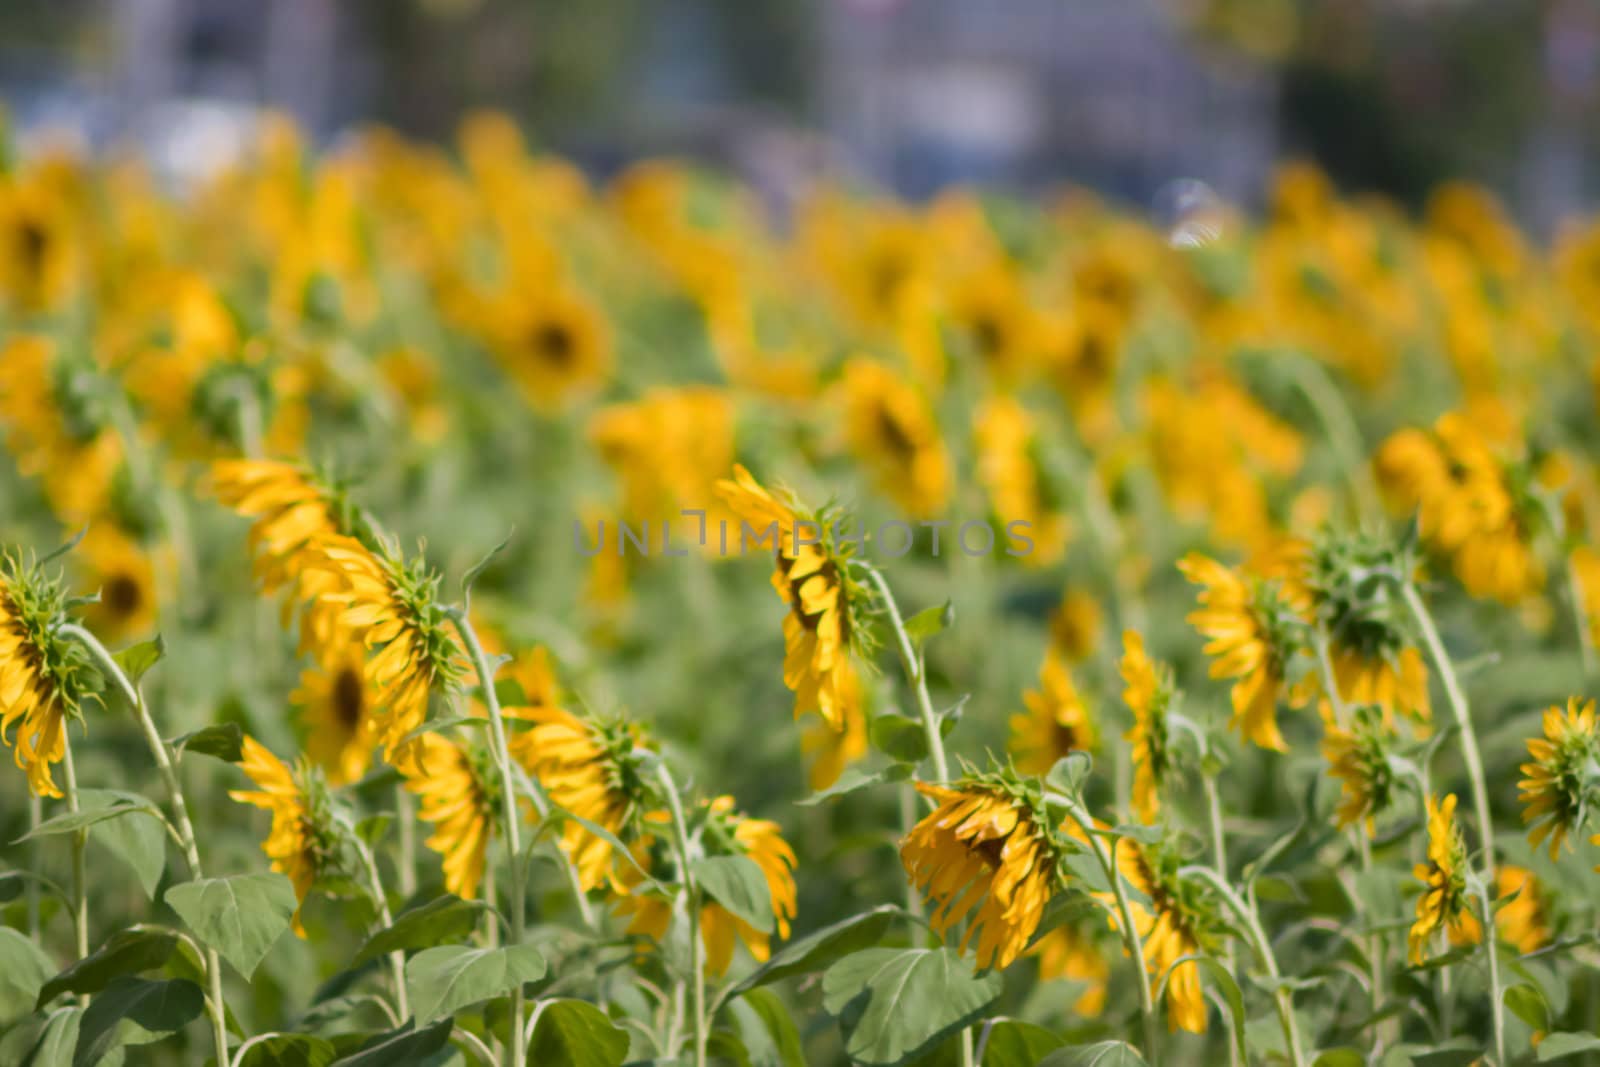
(1340, 428)
(215, 1005)
(35, 817)
(1375, 948)
(1496, 1009)
(1580, 618)
(697, 967)
(397, 960)
(80, 840)
(406, 816)
(1219, 858)
(916, 676)
(1264, 955)
(1458, 705)
(508, 791)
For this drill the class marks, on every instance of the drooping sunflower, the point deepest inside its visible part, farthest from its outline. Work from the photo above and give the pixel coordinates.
(832, 750)
(1525, 920)
(1177, 922)
(1553, 789)
(1358, 755)
(587, 767)
(41, 679)
(460, 798)
(298, 842)
(892, 432)
(815, 584)
(1057, 721)
(336, 708)
(1149, 696)
(984, 854)
(1251, 627)
(1443, 904)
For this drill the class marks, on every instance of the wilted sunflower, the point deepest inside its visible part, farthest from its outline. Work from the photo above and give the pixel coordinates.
(893, 433)
(1524, 921)
(1252, 628)
(460, 798)
(815, 582)
(1358, 755)
(1149, 696)
(1178, 922)
(1443, 904)
(1057, 721)
(725, 832)
(984, 854)
(300, 843)
(588, 768)
(1555, 791)
(335, 705)
(41, 680)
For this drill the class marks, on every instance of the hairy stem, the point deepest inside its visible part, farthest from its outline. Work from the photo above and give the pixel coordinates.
(697, 958)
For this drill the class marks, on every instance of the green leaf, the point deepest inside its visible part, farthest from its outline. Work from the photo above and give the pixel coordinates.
(930, 621)
(1460, 1052)
(400, 1046)
(59, 1041)
(1014, 1043)
(818, 949)
(133, 1011)
(1340, 1057)
(136, 660)
(443, 980)
(736, 882)
(73, 821)
(126, 952)
(1224, 980)
(478, 568)
(853, 779)
(899, 738)
(1528, 1004)
(1560, 1044)
(1100, 1054)
(575, 1033)
(443, 919)
(139, 843)
(224, 741)
(1070, 773)
(24, 969)
(290, 1050)
(768, 1007)
(241, 917)
(896, 1004)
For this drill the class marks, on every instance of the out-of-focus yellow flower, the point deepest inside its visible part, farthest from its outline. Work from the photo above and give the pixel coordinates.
(552, 341)
(1524, 921)
(1019, 490)
(1056, 723)
(57, 427)
(668, 449)
(39, 252)
(123, 573)
(294, 842)
(336, 713)
(460, 798)
(1069, 953)
(892, 432)
(1148, 695)
(1075, 625)
(1357, 755)
(1443, 904)
(993, 312)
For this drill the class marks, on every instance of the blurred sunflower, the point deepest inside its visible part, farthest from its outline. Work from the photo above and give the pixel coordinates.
(1057, 721)
(1556, 788)
(1524, 920)
(893, 433)
(553, 342)
(1358, 756)
(1018, 488)
(336, 713)
(1149, 696)
(300, 842)
(1443, 904)
(39, 255)
(56, 416)
(1069, 953)
(1075, 625)
(460, 798)
(123, 573)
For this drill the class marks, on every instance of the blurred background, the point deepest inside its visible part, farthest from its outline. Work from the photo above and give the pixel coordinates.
(1125, 96)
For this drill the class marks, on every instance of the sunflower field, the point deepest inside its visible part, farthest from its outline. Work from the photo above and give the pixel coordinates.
(456, 612)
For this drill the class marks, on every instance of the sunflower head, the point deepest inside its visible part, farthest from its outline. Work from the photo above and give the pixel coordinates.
(1056, 723)
(989, 853)
(1358, 755)
(44, 677)
(1562, 777)
(1351, 581)
(1150, 695)
(306, 841)
(1444, 903)
(1182, 918)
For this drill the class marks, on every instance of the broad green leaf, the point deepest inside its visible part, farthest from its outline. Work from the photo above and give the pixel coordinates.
(1340, 1057)
(1224, 980)
(818, 949)
(1014, 1043)
(1101, 1054)
(73, 821)
(126, 952)
(12, 884)
(24, 969)
(405, 1045)
(136, 660)
(896, 1004)
(575, 1033)
(224, 741)
(133, 1011)
(853, 779)
(1460, 1052)
(930, 621)
(443, 919)
(780, 1031)
(1560, 1044)
(1528, 1004)
(59, 1040)
(899, 738)
(736, 882)
(290, 1050)
(1069, 774)
(444, 980)
(139, 843)
(241, 917)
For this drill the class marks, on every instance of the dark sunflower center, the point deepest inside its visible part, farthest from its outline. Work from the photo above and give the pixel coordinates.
(989, 851)
(988, 334)
(1066, 737)
(122, 595)
(554, 344)
(31, 242)
(349, 697)
(894, 435)
(888, 276)
(829, 574)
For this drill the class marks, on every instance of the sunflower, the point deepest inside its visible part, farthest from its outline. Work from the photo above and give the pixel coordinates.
(1016, 484)
(1443, 904)
(1358, 755)
(554, 343)
(991, 309)
(336, 706)
(1069, 953)
(459, 799)
(1177, 922)
(1075, 625)
(892, 431)
(40, 681)
(1524, 921)
(668, 449)
(833, 749)
(124, 575)
(815, 584)
(586, 767)
(1149, 696)
(53, 411)
(38, 255)
(1250, 626)
(1554, 792)
(730, 833)
(1056, 723)
(298, 842)
(984, 854)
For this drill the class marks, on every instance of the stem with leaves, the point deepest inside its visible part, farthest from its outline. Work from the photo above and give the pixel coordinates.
(159, 752)
(691, 893)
